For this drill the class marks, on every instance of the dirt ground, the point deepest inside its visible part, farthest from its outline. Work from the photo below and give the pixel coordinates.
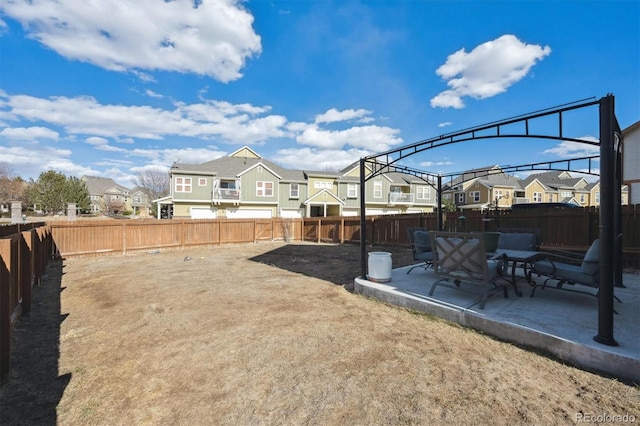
(267, 334)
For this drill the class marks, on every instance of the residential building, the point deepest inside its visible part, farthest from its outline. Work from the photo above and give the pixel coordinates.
(631, 161)
(477, 190)
(246, 185)
(106, 196)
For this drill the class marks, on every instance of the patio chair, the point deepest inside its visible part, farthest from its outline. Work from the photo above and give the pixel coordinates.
(518, 241)
(420, 247)
(568, 270)
(461, 257)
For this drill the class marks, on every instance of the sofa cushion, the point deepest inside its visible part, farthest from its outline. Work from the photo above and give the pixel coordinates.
(591, 260)
(517, 241)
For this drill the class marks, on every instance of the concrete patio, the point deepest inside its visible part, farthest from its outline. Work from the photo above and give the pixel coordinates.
(556, 322)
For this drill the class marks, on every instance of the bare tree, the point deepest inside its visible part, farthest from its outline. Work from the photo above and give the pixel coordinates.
(154, 183)
(12, 187)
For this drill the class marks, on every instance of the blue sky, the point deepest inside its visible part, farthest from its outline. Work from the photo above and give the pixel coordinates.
(112, 87)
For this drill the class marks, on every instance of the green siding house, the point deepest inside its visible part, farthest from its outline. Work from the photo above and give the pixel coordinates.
(245, 185)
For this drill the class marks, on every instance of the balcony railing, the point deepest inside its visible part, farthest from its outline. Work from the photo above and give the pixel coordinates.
(226, 194)
(520, 200)
(400, 198)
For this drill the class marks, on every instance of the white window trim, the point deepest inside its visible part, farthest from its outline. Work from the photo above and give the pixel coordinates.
(475, 196)
(297, 190)
(377, 189)
(261, 188)
(423, 193)
(352, 190)
(185, 182)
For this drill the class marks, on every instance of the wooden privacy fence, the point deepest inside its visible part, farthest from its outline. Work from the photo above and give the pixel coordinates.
(24, 254)
(87, 238)
(568, 229)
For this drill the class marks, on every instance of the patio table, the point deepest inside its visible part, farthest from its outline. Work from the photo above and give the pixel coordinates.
(518, 256)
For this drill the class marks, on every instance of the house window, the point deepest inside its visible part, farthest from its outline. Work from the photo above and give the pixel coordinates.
(352, 190)
(377, 189)
(550, 198)
(597, 197)
(322, 185)
(202, 181)
(475, 196)
(566, 194)
(183, 184)
(423, 193)
(498, 193)
(461, 198)
(537, 197)
(228, 184)
(581, 198)
(294, 190)
(264, 189)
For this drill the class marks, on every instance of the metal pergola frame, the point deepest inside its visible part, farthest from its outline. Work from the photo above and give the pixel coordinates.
(610, 143)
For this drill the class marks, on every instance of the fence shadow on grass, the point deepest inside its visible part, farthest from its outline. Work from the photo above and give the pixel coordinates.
(338, 264)
(34, 388)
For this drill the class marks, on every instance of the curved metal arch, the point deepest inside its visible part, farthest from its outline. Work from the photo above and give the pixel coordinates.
(471, 134)
(610, 217)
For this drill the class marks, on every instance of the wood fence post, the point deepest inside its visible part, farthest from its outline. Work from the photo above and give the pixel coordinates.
(124, 238)
(25, 254)
(5, 307)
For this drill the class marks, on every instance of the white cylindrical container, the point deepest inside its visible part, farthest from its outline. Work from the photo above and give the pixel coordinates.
(379, 267)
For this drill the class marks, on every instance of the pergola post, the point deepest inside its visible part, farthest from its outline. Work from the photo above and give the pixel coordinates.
(607, 199)
(363, 224)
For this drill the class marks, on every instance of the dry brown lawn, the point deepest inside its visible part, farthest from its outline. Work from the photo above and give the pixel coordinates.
(267, 334)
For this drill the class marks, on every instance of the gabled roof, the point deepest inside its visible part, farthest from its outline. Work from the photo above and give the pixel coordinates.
(232, 167)
(99, 185)
(468, 175)
(245, 152)
(317, 195)
(631, 128)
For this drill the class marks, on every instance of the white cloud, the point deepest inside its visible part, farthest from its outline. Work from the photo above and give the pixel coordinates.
(29, 133)
(216, 120)
(316, 159)
(242, 123)
(333, 115)
(372, 138)
(435, 163)
(445, 124)
(121, 129)
(567, 149)
(47, 159)
(102, 144)
(211, 37)
(489, 69)
(153, 94)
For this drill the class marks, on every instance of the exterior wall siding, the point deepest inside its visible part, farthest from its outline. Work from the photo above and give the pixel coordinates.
(248, 185)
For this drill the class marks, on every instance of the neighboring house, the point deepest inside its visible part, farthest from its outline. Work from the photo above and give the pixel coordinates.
(140, 203)
(475, 190)
(107, 197)
(631, 161)
(500, 190)
(554, 187)
(245, 185)
(561, 187)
